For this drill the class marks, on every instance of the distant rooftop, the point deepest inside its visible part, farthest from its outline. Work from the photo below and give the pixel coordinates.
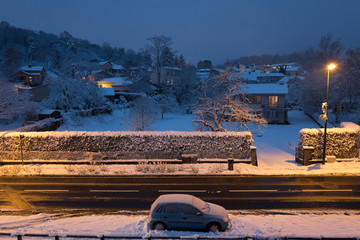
(271, 88)
(30, 68)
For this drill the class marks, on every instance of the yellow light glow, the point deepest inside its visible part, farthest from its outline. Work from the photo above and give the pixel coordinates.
(331, 66)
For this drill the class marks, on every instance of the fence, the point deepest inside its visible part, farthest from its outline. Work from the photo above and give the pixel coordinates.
(195, 237)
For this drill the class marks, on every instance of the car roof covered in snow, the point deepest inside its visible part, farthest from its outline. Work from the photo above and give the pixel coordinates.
(173, 198)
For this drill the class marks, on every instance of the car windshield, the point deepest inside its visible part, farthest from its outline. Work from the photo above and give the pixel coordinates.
(200, 204)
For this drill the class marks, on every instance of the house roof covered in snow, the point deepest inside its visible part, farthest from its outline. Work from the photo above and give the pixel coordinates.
(116, 81)
(256, 74)
(31, 73)
(117, 67)
(292, 69)
(104, 62)
(283, 64)
(173, 68)
(30, 68)
(271, 88)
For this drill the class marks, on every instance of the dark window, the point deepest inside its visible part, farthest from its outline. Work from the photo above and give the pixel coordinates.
(256, 99)
(160, 209)
(171, 208)
(186, 209)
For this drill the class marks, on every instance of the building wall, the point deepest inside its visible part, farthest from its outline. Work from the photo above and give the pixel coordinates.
(167, 76)
(273, 114)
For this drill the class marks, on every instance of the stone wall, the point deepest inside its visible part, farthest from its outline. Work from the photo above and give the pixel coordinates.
(124, 145)
(343, 142)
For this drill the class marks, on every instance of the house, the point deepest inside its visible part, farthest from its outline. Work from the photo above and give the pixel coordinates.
(168, 75)
(271, 98)
(205, 64)
(203, 73)
(49, 113)
(106, 66)
(295, 89)
(119, 84)
(118, 70)
(256, 76)
(112, 68)
(98, 75)
(290, 69)
(31, 75)
(139, 72)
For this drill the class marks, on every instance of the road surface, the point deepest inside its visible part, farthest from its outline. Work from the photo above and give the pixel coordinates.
(137, 193)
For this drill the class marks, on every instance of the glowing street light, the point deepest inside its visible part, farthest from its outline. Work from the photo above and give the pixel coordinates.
(325, 108)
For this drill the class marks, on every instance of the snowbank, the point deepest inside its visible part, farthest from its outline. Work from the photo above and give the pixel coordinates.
(271, 226)
(124, 145)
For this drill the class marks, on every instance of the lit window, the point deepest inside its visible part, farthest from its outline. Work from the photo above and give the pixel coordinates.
(273, 101)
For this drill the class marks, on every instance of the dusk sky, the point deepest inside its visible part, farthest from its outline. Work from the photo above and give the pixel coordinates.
(200, 29)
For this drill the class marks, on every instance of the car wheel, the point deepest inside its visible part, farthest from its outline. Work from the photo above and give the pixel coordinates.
(214, 227)
(159, 226)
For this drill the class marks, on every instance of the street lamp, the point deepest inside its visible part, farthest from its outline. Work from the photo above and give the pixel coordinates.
(325, 108)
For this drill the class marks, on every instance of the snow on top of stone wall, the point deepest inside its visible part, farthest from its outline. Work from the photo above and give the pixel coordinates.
(346, 127)
(350, 125)
(128, 133)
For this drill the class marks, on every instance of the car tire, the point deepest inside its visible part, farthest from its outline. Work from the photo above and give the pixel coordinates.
(158, 226)
(213, 227)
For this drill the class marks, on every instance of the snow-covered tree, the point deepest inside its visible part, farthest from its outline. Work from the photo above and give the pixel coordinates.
(159, 49)
(68, 94)
(143, 113)
(166, 101)
(223, 105)
(350, 70)
(187, 91)
(12, 63)
(13, 104)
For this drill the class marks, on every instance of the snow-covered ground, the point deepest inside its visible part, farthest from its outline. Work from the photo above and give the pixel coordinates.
(275, 149)
(269, 226)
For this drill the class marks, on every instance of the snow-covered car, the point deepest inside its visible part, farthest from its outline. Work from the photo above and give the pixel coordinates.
(186, 212)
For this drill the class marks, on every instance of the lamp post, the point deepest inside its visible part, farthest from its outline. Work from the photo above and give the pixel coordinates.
(330, 67)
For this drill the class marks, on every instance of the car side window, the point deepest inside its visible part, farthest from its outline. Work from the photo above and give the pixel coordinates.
(159, 209)
(189, 210)
(171, 208)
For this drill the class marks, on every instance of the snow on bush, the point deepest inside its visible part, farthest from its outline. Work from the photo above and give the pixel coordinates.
(340, 142)
(124, 145)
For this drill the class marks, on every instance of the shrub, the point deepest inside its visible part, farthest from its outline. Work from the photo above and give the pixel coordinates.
(218, 168)
(194, 169)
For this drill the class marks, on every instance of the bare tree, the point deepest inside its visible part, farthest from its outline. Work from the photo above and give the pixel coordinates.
(314, 86)
(224, 106)
(143, 114)
(160, 51)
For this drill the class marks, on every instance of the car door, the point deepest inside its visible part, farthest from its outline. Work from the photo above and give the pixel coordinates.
(192, 218)
(171, 216)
